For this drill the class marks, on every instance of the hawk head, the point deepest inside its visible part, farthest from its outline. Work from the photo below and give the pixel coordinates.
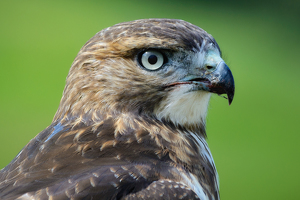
(161, 68)
(131, 119)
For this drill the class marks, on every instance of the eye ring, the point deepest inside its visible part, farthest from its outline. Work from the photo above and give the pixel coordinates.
(152, 59)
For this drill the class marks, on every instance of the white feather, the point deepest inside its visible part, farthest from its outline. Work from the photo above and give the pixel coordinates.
(184, 107)
(206, 154)
(193, 183)
(25, 196)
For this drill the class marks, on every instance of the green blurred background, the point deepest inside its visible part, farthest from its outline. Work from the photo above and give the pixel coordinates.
(254, 142)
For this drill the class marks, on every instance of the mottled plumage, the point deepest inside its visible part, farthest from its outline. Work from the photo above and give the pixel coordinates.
(125, 131)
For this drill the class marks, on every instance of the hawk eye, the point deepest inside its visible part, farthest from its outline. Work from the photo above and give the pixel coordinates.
(152, 59)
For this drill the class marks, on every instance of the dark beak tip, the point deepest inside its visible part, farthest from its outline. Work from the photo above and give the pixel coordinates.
(230, 94)
(230, 98)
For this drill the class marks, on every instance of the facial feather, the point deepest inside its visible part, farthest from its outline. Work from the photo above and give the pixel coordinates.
(105, 76)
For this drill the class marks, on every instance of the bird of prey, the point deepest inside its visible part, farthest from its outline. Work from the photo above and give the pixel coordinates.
(131, 121)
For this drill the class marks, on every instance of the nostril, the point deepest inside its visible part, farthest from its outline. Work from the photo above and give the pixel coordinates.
(209, 67)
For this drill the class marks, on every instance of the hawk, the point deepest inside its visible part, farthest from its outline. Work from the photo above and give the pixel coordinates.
(131, 121)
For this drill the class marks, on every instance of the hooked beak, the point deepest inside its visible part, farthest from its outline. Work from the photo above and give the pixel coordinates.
(219, 81)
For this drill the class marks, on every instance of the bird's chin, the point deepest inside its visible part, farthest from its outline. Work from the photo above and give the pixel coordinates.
(185, 104)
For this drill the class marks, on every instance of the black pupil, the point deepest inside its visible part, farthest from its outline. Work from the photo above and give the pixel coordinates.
(152, 59)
